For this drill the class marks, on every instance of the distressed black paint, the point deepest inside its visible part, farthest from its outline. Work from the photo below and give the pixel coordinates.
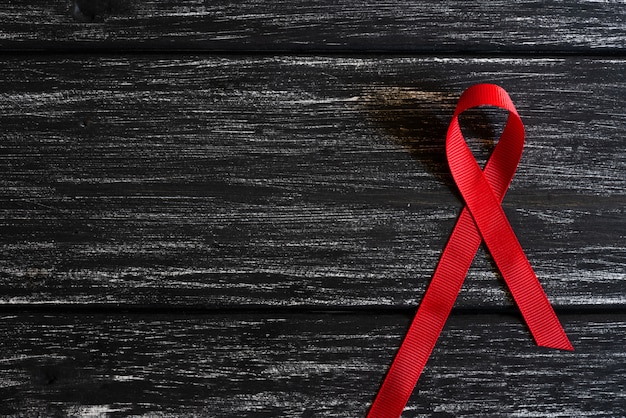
(247, 231)
(300, 181)
(428, 27)
(299, 364)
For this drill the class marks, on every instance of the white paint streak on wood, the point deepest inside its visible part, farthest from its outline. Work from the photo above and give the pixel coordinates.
(496, 26)
(293, 180)
(318, 364)
(303, 185)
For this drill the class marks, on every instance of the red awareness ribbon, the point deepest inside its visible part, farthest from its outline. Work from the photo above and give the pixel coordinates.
(481, 219)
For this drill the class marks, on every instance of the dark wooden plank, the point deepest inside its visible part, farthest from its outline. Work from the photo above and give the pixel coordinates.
(343, 25)
(294, 180)
(300, 365)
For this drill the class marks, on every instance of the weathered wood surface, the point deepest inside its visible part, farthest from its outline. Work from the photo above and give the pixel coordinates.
(248, 232)
(433, 26)
(299, 365)
(317, 181)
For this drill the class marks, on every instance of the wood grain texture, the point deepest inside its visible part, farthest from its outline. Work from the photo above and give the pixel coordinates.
(316, 181)
(299, 365)
(433, 27)
(247, 231)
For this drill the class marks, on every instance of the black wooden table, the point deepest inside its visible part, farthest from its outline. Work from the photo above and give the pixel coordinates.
(234, 208)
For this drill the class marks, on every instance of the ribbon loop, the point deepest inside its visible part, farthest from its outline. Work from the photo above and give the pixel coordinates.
(482, 219)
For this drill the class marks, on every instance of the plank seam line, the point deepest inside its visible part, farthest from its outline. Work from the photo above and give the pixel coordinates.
(91, 50)
(124, 309)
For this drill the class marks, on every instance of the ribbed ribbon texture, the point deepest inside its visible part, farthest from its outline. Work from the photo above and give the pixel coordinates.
(482, 219)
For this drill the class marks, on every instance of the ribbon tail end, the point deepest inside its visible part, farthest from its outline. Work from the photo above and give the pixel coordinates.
(563, 344)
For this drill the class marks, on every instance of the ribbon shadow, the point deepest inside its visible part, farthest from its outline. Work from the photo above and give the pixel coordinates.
(417, 120)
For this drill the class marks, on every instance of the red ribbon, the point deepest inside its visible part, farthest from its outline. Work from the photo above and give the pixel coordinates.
(481, 219)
